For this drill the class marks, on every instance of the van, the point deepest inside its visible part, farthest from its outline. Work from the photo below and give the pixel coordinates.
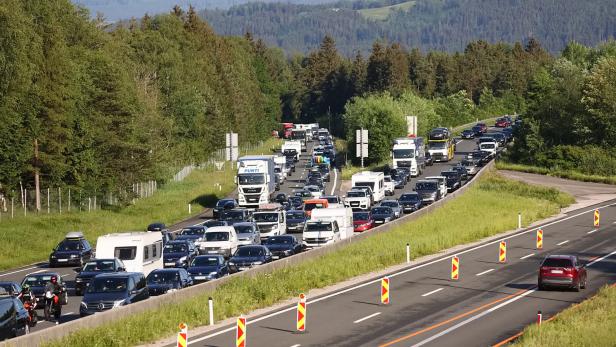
(342, 215)
(312, 204)
(442, 184)
(220, 240)
(139, 251)
(107, 291)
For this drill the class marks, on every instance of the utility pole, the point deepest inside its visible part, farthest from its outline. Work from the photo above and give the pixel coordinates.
(37, 186)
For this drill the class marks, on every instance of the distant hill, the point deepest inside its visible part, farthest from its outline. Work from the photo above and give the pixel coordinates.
(428, 24)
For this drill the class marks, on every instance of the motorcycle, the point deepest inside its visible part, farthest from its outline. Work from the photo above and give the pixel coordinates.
(53, 306)
(32, 316)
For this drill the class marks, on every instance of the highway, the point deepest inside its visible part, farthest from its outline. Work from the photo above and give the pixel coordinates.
(490, 302)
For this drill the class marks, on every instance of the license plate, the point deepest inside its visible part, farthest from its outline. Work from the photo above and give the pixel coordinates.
(199, 277)
(169, 264)
(379, 222)
(243, 268)
(275, 257)
(212, 252)
(557, 271)
(62, 260)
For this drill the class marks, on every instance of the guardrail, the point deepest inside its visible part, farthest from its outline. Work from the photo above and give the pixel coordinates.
(43, 336)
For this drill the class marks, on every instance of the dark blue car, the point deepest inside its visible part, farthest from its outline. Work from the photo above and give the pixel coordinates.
(295, 221)
(410, 202)
(382, 215)
(162, 281)
(93, 268)
(282, 246)
(208, 267)
(108, 291)
(179, 253)
(249, 256)
(73, 250)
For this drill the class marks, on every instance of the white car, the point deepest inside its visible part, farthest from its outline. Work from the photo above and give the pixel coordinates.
(389, 185)
(314, 190)
(220, 240)
(358, 199)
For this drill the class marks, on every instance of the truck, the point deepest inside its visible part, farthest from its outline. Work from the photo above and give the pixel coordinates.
(409, 152)
(256, 180)
(281, 168)
(289, 146)
(374, 180)
(271, 220)
(287, 128)
(327, 226)
(301, 136)
(441, 145)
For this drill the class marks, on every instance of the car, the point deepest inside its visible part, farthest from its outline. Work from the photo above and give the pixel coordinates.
(37, 283)
(208, 267)
(477, 130)
(215, 223)
(248, 256)
(502, 123)
(296, 219)
(73, 250)
(390, 185)
(332, 200)
(325, 171)
(461, 170)
(93, 268)
(410, 202)
(467, 134)
(399, 183)
(358, 199)
(282, 246)
(508, 132)
(368, 191)
(15, 318)
(163, 281)
(247, 233)
(179, 253)
(498, 138)
(10, 288)
(483, 126)
(428, 159)
(395, 206)
(194, 233)
(157, 226)
(362, 221)
(315, 191)
(281, 198)
(108, 291)
(453, 180)
(406, 172)
(223, 205)
(236, 215)
(314, 181)
(382, 214)
(303, 194)
(562, 271)
(295, 203)
(428, 190)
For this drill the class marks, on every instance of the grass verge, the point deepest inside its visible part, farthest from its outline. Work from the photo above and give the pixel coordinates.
(591, 323)
(169, 204)
(381, 13)
(489, 207)
(568, 174)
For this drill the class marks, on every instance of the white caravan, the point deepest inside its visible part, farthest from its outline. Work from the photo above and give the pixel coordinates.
(374, 180)
(139, 251)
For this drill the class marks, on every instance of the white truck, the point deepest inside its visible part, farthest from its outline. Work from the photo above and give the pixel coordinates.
(328, 225)
(292, 145)
(271, 220)
(256, 180)
(374, 180)
(281, 169)
(409, 152)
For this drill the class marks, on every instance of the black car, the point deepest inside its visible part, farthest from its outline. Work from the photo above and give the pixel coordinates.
(14, 317)
(508, 132)
(162, 281)
(179, 253)
(296, 219)
(406, 172)
(236, 215)
(37, 283)
(499, 138)
(208, 267)
(477, 130)
(11, 288)
(468, 134)
(428, 191)
(428, 159)
(382, 215)
(281, 198)
(399, 175)
(325, 171)
(222, 205)
(157, 226)
(461, 170)
(107, 291)
(410, 202)
(215, 223)
(295, 203)
(399, 182)
(315, 181)
(283, 246)
(93, 268)
(249, 256)
(194, 233)
(73, 250)
(454, 179)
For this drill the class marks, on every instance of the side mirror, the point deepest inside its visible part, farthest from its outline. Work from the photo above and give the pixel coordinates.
(133, 292)
(120, 269)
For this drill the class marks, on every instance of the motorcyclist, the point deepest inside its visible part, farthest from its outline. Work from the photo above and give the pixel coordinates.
(26, 295)
(52, 302)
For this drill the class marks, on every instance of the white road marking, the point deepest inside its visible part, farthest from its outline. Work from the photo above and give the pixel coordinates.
(64, 275)
(296, 345)
(68, 313)
(562, 243)
(485, 272)
(402, 272)
(367, 317)
(335, 180)
(528, 256)
(592, 231)
(432, 292)
(598, 260)
(17, 271)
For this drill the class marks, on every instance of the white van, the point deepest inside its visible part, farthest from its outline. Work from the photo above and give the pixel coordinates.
(342, 215)
(139, 251)
(374, 180)
(442, 183)
(220, 240)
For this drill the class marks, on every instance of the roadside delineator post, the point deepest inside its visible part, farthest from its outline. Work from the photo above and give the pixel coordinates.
(597, 218)
(519, 220)
(502, 252)
(210, 304)
(408, 253)
(540, 239)
(455, 268)
(240, 332)
(301, 313)
(385, 291)
(183, 335)
(539, 317)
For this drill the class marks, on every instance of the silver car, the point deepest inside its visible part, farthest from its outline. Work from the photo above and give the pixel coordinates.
(247, 233)
(395, 206)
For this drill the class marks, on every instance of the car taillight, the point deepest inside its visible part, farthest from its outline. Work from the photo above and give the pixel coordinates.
(569, 270)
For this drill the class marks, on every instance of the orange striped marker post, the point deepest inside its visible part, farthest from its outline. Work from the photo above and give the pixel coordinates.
(502, 252)
(183, 335)
(301, 313)
(540, 239)
(455, 268)
(385, 291)
(597, 218)
(240, 332)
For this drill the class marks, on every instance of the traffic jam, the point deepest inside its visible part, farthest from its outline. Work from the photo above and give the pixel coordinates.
(286, 204)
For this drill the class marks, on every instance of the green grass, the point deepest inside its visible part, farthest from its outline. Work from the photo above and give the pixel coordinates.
(489, 207)
(349, 170)
(169, 205)
(381, 13)
(568, 174)
(591, 323)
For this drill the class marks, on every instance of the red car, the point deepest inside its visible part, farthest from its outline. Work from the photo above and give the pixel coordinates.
(562, 271)
(362, 221)
(502, 123)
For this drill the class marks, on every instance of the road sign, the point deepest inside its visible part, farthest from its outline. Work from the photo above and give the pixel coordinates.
(361, 144)
(183, 335)
(539, 239)
(231, 151)
(455, 268)
(502, 252)
(597, 218)
(385, 291)
(301, 314)
(240, 332)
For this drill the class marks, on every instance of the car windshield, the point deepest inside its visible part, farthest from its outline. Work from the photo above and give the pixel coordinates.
(193, 231)
(295, 215)
(381, 210)
(312, 188)
(409, 197)
(438, 145)
(449, 174)
(295, 200)
(425, 186)
(244, 229)
(390, 203)
(217, 236)
(318, 227)
(403, 153)
(232, 215)
(249, 179)
(205, 261)
(387, 178)
(175, 248)
(214, 223)
(69, 246)
(332, 199)
(361, 216)
(250, 252)
(222, 203)
(266, 217)
(37, 280)
(557, 262)
(163, 277)
(356, 194)
(487, 145)
(311, 206)
(278, 240)
(477, 128)
(108, 285)
(104, 265)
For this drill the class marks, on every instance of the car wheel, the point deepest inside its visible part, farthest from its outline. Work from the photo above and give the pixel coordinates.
(577, 286)
(540, 286)
(583, 286)
(77, 292)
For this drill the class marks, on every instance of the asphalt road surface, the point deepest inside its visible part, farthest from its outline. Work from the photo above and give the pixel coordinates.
(490, 302)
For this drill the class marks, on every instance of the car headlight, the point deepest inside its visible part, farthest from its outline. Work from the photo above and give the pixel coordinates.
(78, 279)
(231, 263)
(182, 260)
(171, 290)
(287, 252)
(84, 305)
(257, 262)
(213, 273)
(118, 303)
(74, 255)
(53, 256)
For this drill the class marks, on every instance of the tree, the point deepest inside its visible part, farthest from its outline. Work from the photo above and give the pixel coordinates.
(600, 101)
